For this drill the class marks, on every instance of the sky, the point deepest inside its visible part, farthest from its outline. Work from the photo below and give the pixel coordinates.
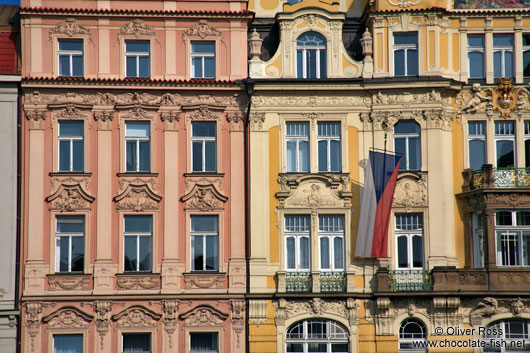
(10, 2)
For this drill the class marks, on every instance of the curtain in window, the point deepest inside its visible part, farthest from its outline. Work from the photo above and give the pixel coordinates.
(68, 343)
(203, 342)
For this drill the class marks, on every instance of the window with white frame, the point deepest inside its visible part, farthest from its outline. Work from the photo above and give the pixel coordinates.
(406, 54)
(513, 238)
(203, 146)
(204, 237)
(297, 243)
(204, 342)
(137, 146)
(527, 143)
(137, 58)
(509, 335)
(503, 55)
(311, 56)
(476, 144)
(475, 55)
(526, 55)
(138, 243)
(407, 144)
(478, 240)
(412, 333)
(317, 335)
(68, 343)
(136, 342)
(409, 241)
(329, 147)
(70, 57)
(297, 146)
(202, 59)
(70, 244)
(505, 144)
(71, 146)
(331, 240)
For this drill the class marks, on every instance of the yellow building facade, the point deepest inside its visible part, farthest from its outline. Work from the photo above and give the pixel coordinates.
(329, 82)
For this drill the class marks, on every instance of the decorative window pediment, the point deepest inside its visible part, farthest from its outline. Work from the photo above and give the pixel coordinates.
(70, 111)
(138, 29)
(136, 316)
(70, 194)
(202, 29)
(70, 28)
(204, 197)
(203, 112)
(204, 316)
(68, 317)
(137, 194)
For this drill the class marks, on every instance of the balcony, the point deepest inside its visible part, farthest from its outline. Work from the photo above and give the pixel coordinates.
(298, 282)
(489, 177)
(315, 281)
(404, 280)
(332, 281)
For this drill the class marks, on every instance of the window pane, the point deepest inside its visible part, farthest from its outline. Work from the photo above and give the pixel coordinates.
(323, 65)
(324, 253)
(477, 154)
(130, 66)
(197, 253)
(497, 64)
(203, 129)
(400, 147)
(412, 62)
(203, 47)
(475, 40)
(304, 253)
(508, 64)
(64, 156)
(414, 154)
(406, 38)
(64, 65)
(523, 218)
(131, 157)
(527, 153)
(138, 224)
(399, 62)
(196, 67)
(311, 63)
(209, 67)
(70, 224)
(68, 343)
(505, 154)
(64, 245)
(136, 342)
(299, 64)
(203, 341)
(137, 129)
(476, 64)
(503, 40)
(317, 347)
(71, 45)
(526, 63)
(526, 248)
(291, 156)
(204, 224)
(77, 63)
(211, 156)
(137, 46)
(78, 254)
(403, 256)
(407, 127)
(212, 251)
(417, 251)
(145, 253)
(303, 162)
(335, 156)
(197, 156)
(145, 156)
(338, 252)
(131, 247)
(503, 218)
(71, 128)
(295, 347)
(78, 162)
(144, 69)
(322, 156)
(291, 253)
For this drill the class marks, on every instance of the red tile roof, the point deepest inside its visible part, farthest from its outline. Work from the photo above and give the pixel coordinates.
(130, 81)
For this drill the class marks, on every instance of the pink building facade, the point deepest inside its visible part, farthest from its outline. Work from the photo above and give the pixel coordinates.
(133, 181)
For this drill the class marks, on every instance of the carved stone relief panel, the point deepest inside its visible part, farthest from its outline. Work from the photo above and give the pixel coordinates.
(346, 309)
(69, 282)
(202, 29)
(411, 191)
(68, 317)
(69, 28)
(170, 309)
(137, 316)
(138, 282)
(204, 281)
(484, 309)
(137, 28)
(204, 316)
(204, 197)
(70, 193)
(137, 194)
(103, 310)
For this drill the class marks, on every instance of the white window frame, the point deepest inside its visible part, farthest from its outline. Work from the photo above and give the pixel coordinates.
(204, 235)
(137, 55)
(406, 48)
(516, 233)
(138, 236)
(500, 333)
(68, 334)
(477, 50)
(505, 137)
(297, 139)
(70, 54)
(202, 56)
(331, 236)
(193, 332)
(526, 129)
(203, 140)
(503, 50)
(477, 137)
(297, 236)
(407, 136)
(304, 50)
(137, 333)
(328, 140)
(409, 235)
(137, 140)
(406, 340)
(68, 235)
(328, 340)
(71, 140)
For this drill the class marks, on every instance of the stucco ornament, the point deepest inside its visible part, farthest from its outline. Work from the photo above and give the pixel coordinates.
(411, 191)
(35, 118)
(236, 120)
(139, 282)
(256, 120)
(70, 194)
(69, 27)
(33, 317)
(137, 28)
(103, 310)
(204, 316)
(203, 112)
(170, 119)
(204, 197)
(104, 119)
(137, 316)
(68, 317)
(202, 29)
(170, 313)
(204, 281)
(315, 307)
(77, 282)
(477, 100)
(237, 308)
(137, 194)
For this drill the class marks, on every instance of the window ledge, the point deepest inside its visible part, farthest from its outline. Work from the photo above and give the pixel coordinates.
(74, 174)
(138, 280)
(69, 281)
(139, 174)
(203, 174)
(204, 280)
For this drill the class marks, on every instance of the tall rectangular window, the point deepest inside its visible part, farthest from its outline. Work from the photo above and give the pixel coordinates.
(136, 342)
(311, 56)
(513, 238)
(204, 146)
(526, 55)
(297, 140)
(137, 147)
(505, 143)
(477, 144)
(527, 143)
(409, 241)
(297, 243)
(70, 343)
(329, 156)
(407, 144)
(204, 243)
(406, 54)
(137, 58)
(138, 234)
(204, 342)
(331, 239)
(475, 55)
(503, 55)
(202, 59)
(70, 244)
(70, 57)
(71, 146)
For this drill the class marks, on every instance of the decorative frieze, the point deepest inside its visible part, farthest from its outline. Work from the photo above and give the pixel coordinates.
(69, 282)
(204, 280)
(346, 309)
(138, 282)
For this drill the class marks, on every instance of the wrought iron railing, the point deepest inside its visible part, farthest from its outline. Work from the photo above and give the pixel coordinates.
(502, 178)
(410, 280)
(332, 281)
(298, 282)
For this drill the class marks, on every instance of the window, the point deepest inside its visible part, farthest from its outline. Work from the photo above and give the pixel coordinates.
(329, 157)
(505, 143)
(527, 144)
(137, 342)
(70, 57)
(331, 239)
(68, 343)
(204, 243)
(204, 342)
(513, 238)
(137, 58)
(204, 146)
(202, 59)
(297, 243)
(137, 147)
(526, 55)
(411, 332)
(409, 240)
(311, 56)
(297, 140)
(71, 146)
(503, 55)
(70, 244)
(507, 336)
(478, 240)
(407, 143)
(475, 55)
(317, 335)
(406, 54)
(138, 234)
(477, 144)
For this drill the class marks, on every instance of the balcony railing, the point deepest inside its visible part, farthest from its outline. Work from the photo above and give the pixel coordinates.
(332, 281)
(409, 280)
(489, 177)
(298, 282)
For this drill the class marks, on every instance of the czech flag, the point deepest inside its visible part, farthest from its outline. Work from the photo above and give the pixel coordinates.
(379, 184)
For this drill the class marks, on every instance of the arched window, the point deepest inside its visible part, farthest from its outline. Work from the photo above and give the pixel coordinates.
(317, 335)
(311, 56)
(407, 143)
(507, 336)
(412, 332)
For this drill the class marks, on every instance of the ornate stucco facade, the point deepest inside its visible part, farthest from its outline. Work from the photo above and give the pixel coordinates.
(113, 257)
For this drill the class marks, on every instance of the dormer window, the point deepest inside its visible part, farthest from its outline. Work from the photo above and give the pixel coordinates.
(311, 56)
